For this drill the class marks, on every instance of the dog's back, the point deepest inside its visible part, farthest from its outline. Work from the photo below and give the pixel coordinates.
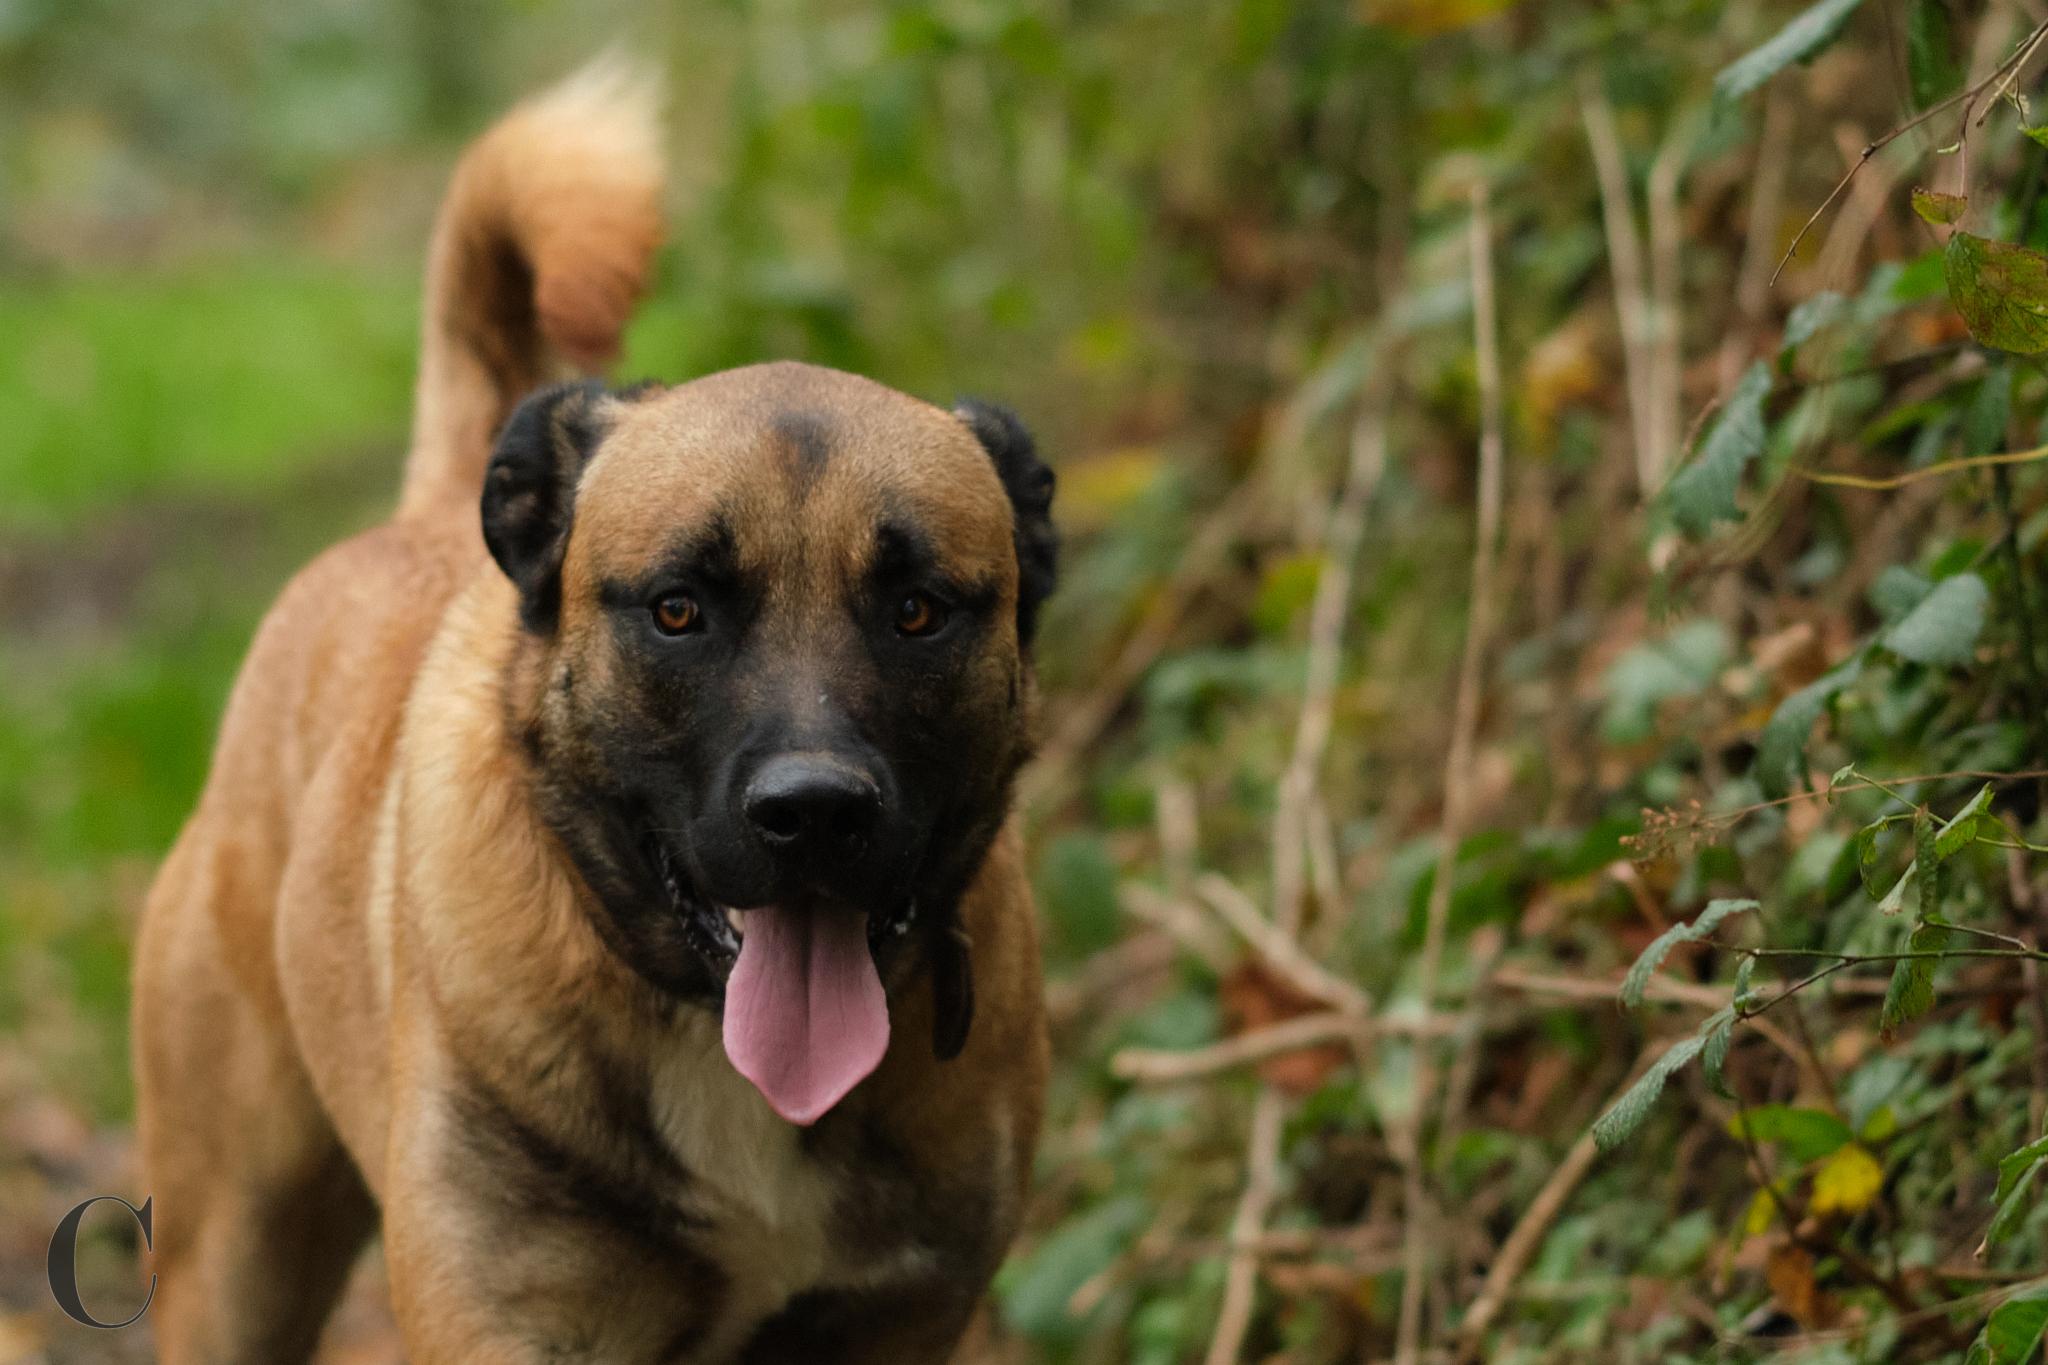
(538, 256)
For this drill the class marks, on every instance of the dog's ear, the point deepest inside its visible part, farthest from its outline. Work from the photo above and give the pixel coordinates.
(952, 992)
(530, 491)
(1029, 484)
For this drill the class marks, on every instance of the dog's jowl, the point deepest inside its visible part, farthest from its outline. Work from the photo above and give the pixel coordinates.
(603, 882)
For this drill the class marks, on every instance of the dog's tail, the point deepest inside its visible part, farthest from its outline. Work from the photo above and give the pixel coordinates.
(539, 254)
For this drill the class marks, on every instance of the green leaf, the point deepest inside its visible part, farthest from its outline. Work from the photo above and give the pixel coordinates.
(1911, 993)
(1638, 977)
(1802, 39)
(1807, 320)
(1805, 1134)
(1931, 65)
(2001, 290)
(2015, 1177)
(2014, 1168)
(2013, 1331)
(1781, 750)
(1076, 883)
(1626, 1115)
(1897, 591)
(1036, 1290)
(1683, 663)
(2039, 135)
(1939, 208)
(1943, 629)
(1742, 975)
(1990, 411)
(1704, 491)
(1714, 1055)
(1868, 854)
(1933, 879)
(1961, 830)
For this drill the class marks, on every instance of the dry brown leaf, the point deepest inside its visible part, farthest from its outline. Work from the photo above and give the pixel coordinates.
(1789, 1272)
(1253, 998)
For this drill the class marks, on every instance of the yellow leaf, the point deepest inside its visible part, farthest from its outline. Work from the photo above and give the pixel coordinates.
(1563, 369)
(1762, 1210)
(1285, 590)
(1422, 18)
(1847, 1181)
(1094, 490)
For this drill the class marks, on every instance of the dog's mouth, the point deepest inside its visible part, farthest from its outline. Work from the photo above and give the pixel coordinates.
(805, 1015)
(717, 931)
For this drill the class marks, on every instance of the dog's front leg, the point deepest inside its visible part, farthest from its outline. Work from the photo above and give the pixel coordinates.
(506, 1244)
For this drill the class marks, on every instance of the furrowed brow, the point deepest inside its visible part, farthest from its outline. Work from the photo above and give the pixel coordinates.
(709, 555)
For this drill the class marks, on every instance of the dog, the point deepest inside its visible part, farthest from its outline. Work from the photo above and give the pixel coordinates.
(604, 884)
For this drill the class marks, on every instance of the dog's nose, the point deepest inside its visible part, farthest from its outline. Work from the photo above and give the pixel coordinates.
(802, 803)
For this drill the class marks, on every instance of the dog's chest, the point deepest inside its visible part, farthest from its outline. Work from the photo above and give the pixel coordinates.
(770, 1204)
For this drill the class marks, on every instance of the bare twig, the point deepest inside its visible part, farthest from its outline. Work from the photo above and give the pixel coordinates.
(1292, 1035)
(1458, 764)
(1279, 950)
(1528, 1234)
(1181, 922)
(2012, 71)
(1176, 815)
(1933, 471)
(1966, 97)
(1720, 822)
(1240, 1285)
(1666, 324)
(1325, 652)
(1625, 259)
(1608, 992)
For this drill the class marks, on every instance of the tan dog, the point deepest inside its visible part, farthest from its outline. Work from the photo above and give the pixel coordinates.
(630, 921)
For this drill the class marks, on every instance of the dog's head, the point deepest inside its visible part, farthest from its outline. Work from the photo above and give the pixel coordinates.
(775, 683)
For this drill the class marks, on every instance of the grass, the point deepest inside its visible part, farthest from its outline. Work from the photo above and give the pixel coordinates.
(224, 375)
(178, 444)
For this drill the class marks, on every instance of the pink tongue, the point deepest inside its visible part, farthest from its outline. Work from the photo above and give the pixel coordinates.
(805, 1017)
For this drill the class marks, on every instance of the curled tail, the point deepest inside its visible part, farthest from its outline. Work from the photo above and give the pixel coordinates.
(539, 254)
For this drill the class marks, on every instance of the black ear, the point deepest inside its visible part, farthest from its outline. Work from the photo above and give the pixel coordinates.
(530, 491)
(1029, 484)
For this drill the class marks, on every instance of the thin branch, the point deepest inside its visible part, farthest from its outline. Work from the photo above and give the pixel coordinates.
(1608, 992)
(1722, 821)
(1309, 1030)
(1325, 653)
(1666, 325)
(1181, 922)
(1859, 959)
(2012, 64)
(1240, 1285)
(1458, 764)
(1529, 1231)
(2012, 73)
(1625, 259)
(1280, 951)
(1933, 471)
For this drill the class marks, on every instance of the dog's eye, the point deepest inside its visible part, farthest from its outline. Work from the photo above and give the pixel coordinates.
(675, 614)
(918, 614)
